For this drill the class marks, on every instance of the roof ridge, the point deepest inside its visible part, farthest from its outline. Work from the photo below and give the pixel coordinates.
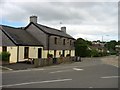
(50, 27)
(11, 27)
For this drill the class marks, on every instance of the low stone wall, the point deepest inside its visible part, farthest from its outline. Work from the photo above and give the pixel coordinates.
(52, 61)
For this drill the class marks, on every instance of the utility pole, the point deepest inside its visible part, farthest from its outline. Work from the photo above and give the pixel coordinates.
(102, 37)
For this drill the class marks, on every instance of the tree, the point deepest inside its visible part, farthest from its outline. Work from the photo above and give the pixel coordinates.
(81, 47)
(111, 45)
(118, 43)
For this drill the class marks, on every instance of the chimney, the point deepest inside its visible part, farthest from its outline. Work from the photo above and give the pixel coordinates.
(63, 29)
(33, 19)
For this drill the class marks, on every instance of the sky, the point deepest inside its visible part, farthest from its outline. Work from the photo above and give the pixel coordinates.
(87, 19)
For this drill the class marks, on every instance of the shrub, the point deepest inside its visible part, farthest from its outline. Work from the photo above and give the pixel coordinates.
(94, 53)
(50, 55)
(4, 56)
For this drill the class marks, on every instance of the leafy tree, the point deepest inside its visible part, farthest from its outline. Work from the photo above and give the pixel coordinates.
(111, 45)
(81, 47)
(118, 43)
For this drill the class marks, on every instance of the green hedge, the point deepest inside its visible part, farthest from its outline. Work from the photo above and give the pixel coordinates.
(4, 56)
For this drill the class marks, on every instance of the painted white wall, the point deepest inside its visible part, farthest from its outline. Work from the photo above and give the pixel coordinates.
(58, 53)
(33, 52)
(13, 51)
(21, 53)
(67, 52)
(44, 54)
(72, 52)
(0, 49)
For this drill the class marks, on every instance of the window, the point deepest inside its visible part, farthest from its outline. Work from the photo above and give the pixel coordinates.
(70, 42)
(70, 52)
(63, 53)
(55, 40)
(26, 52)
(63, 41)
(54, 53)
(4, 49)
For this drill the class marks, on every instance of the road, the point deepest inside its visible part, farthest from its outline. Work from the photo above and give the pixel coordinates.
(86, 74)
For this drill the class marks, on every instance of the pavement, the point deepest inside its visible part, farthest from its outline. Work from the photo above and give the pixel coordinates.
(90, 73)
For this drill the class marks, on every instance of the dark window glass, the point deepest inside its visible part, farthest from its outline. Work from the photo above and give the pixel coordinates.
(55, 40)
(70, 52)
(26, 52)
(4, 49)
(63, 53)
(54, 53)
(70, 42)
(63, 41)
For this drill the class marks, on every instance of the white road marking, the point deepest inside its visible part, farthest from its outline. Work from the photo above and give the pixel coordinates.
(60, 71)
(5, 68)
(50, 81)
(22, 70)
(77, 69)
(111, 77)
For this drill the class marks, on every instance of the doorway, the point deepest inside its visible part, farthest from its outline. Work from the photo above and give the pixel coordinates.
(39, 52)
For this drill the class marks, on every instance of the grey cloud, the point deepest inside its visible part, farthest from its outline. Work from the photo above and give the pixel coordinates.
(69, 13)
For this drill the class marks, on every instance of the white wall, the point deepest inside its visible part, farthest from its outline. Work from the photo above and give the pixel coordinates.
(72, 52)
(21, 53)
(33, 52)
(45, 52)
(13, 53)
(0, 49)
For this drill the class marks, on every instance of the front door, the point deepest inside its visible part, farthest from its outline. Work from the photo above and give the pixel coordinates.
(39, 53)
(54, 53)
(26, 52)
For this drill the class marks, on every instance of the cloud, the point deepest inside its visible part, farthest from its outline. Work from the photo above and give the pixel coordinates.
(80, 18)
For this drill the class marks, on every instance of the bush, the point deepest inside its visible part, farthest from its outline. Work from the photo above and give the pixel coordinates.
(94, 53)
(50, 55)
(4, 56)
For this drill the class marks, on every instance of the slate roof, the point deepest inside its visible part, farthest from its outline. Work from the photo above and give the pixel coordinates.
(52, 31)
(20, 36)
(4, 40)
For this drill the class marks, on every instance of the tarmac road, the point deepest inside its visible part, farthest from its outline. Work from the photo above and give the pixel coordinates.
(85, 74)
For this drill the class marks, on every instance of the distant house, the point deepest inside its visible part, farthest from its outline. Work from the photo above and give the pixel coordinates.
(117, 47)
(35, 41)
(98, 46)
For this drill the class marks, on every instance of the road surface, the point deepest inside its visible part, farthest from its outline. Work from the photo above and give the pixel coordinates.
(92, 73)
